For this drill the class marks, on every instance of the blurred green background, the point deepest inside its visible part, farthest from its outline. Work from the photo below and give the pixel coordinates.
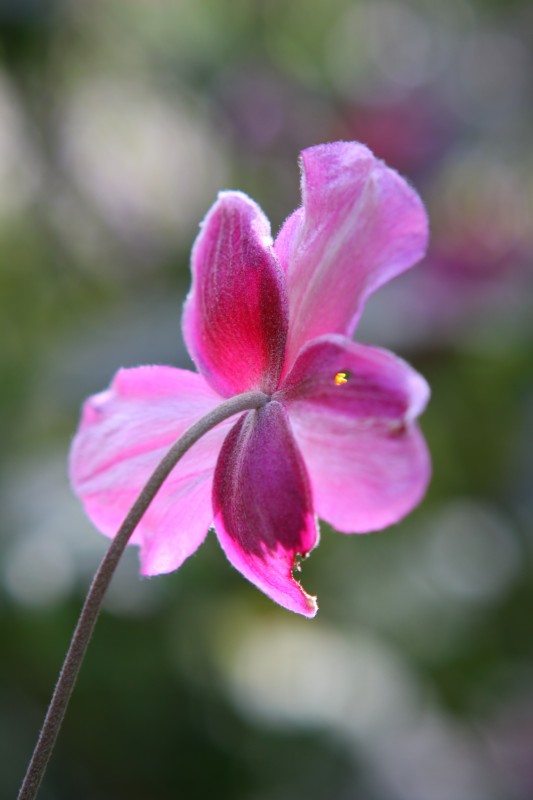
(119, 121)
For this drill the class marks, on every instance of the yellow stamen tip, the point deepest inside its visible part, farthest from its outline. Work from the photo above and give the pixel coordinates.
(340, 378)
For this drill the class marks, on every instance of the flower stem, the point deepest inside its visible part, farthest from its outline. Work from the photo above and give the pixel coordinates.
(93, 601)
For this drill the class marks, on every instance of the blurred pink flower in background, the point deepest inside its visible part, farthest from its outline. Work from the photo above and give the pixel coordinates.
(479, 264)
(410, 132)
(337, 435)
(482, 238)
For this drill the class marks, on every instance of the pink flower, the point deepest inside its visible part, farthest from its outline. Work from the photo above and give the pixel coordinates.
(338, 437)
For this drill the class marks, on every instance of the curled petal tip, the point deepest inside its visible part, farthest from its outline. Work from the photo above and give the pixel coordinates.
(312, 605)
(420, 393)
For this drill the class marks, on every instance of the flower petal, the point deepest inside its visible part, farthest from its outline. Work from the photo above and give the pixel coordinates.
(366, 458)
(360, 226)
(263, 507)
(374, 383)
(124, 433)
(235, 318)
